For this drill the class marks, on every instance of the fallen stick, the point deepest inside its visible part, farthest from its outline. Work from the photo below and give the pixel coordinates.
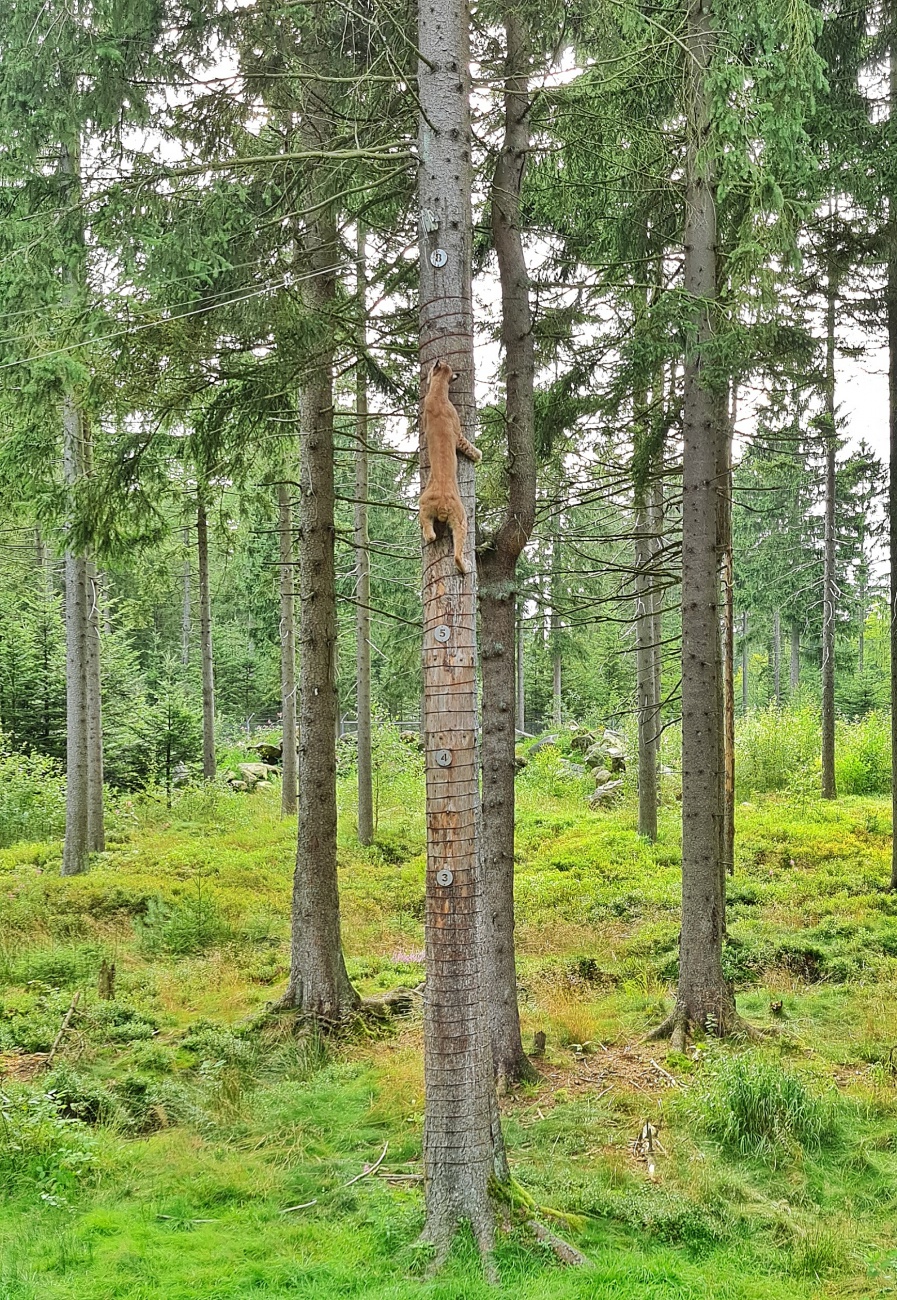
(368, 1169)
(666, 1074)
(63, 1027)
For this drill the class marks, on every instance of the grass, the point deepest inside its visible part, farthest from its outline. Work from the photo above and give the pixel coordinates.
(158, 1155)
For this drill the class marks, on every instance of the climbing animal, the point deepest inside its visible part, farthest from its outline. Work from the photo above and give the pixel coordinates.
(440, 499)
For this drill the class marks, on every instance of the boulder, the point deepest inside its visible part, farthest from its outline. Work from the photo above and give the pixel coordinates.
(605, 794)
(542, 743)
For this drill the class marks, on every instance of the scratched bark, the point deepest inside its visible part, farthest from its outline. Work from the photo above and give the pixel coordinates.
(458, 1131)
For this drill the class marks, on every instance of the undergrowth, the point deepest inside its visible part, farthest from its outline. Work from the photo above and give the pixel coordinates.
(186, 1142)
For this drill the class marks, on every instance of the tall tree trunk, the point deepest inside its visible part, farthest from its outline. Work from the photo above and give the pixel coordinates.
(461, 1148)
(362, 562)
(828, 600)
(657, 516)
(521, 676)
(647, 719)
(861, 631)
(319, 983)
(205, 639)
(794, 661)
(186, 603)
(745, 659)
(727, 641)
(96, 835)
(703, 997)
(497, 564)
(777, 658)
(287, 647)
(891, 301)
(76, 846)
(75, 458)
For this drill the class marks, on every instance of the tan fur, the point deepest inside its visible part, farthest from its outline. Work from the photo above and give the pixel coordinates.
(440, 499)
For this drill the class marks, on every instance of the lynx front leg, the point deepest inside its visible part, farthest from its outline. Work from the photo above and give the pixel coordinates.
(469, 450)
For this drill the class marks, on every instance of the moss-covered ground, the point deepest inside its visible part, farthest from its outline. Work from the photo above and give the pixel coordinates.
(162, 1151)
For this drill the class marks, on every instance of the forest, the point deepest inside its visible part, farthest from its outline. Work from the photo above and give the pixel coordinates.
(448, 670)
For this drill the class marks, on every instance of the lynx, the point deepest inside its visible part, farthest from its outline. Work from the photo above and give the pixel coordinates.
(440, 499)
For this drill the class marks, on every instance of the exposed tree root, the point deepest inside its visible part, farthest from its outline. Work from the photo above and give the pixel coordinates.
(566, 1253)
(509, 1075)
(678, 1027)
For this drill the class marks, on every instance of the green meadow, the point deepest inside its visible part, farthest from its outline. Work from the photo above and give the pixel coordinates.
(184, 1141)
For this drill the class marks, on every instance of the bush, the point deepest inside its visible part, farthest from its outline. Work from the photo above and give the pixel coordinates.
(753, 1106)
(774, 748)
(40, 1147)
(863, 755)
(779, 750)
(32, 798)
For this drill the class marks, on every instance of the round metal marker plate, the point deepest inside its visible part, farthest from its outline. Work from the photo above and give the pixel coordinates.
(438, 257)
(444, 877)
(442, 632)
(444, 757)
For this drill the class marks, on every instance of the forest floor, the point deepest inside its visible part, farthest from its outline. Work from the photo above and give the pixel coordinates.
(182, 1145)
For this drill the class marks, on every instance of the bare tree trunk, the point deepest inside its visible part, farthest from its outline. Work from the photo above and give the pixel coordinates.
(703, 998)
(794, 663)
(461, 1146)
(76, 846)
(745, 659)
(645, 672)
(777, 658)
(186, 604)
(828, 600)
(319, 983)
(891, 302)
(727, 635)
(96, 835)
(75, 458)
(205, 639)
(362, 564)
(521, 676)
(287, 648)
(497, 565)
(861, 631)
(657, 515)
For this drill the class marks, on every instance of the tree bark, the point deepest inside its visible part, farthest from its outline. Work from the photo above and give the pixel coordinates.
(186, 603)
(703, 998)
(76, 846)
(647, 718)
(362, 563)
(828, 600)
(287, 648)
(521, 676)
(777, 658)
(96, 835)
(75, 457)
(319, 983)
(497, 564)
(727, 641)
(794, 662)
(891, 302)
(205, 637)
(462, 1148)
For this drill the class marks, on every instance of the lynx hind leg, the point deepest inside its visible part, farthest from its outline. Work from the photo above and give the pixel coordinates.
(469, 450)
(426, 525)
(458, 523)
